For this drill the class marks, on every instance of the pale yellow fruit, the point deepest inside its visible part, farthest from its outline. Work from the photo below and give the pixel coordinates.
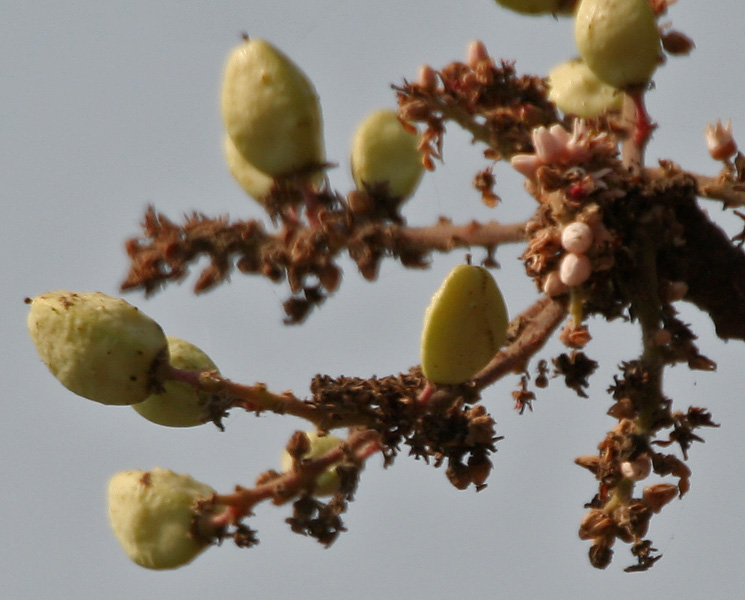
(255, 183)
(97, 346)
(179, 405)
(576, 90)
(618, 39)
(271, 110)
(151, 514)
(327, 483)
(534, 7)
(464, 326)
(384, 152)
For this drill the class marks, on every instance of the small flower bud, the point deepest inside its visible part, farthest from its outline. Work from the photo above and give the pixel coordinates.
(151, 513)
(179, 404)
(719, 140)
(476, 54)
(574, 269)
(595, 524)
(553, 286)
(427, 79)
(98, 347)
(576, 237)
(638, 469)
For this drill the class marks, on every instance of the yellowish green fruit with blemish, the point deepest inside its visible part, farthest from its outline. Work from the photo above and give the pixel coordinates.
(97, 346)
(464, 326)
(179, 405)
(151, 514)
(576, 90)
(271, 110)
(536, 7)
(618, 40)
(383, 151)
(255, 183)
(327, 483)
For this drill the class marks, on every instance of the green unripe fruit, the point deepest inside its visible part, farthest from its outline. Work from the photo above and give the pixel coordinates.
(271, 110)
(255, 183)
(151, 513)
(535, 7)
(618, 39)
(464, 326)
(384, 152)
(576, 90)
(98, 347)
(179, 405)
(327, 483)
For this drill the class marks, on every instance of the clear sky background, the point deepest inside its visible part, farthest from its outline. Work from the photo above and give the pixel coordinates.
(108, 106)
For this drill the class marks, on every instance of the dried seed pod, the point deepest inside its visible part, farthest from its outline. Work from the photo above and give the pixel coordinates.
(618, 40)
(97, 346)
(464, 326)
(151, 513)
(383, 152)
(576, 90)
(179, 404)
(327, 483)
(271, 110)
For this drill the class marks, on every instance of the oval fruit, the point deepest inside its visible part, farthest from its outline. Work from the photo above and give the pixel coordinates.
(535, 7)
(383, 152)
(151, 514)
(618, 39)
(464, 326)
(179, 404)
(271, 110)
(255, 183)
(327, 483)
(99, 347)
(576, 90)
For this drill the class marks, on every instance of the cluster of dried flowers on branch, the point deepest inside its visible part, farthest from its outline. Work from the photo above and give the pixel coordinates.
(610, 237)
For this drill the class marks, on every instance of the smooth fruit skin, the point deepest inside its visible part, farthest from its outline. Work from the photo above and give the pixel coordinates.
(179, 405)
(271, 110)
(255, 183)
(535, 7)
(97, 346)
(576, 90)
(384, 152)
(327, 483)
(464, 326)
(618, 39)
(151, 514)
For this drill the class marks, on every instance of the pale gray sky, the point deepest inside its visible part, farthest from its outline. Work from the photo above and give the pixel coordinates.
(108, 106)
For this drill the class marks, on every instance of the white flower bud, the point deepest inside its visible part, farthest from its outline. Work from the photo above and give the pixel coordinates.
(576, 237)
(179, 405)
(98, 347)
(384, 152)
(574, 269)
(151, 513)
(465, 325)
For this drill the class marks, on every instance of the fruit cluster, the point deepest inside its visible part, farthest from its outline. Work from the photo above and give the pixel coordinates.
(609, 237)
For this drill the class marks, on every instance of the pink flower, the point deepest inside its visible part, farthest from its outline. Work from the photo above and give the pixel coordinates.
(719, 140)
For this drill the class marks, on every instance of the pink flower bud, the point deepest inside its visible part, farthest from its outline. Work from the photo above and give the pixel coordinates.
(476, 54)
(427, 78)
(526, 164)
(719, 140)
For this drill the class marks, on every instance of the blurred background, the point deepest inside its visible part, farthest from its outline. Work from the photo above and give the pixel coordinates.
(108, 106)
